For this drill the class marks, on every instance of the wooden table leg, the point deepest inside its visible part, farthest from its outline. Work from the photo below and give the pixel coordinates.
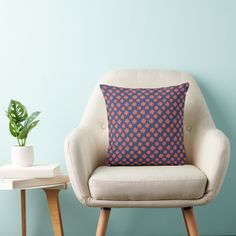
(23, 212)
(54, 208)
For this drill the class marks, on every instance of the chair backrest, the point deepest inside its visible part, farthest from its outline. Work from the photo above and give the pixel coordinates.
(196, 113)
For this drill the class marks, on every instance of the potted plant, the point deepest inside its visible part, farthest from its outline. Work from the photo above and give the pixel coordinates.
(20, 124)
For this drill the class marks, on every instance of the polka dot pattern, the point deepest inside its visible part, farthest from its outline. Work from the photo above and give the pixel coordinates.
(145, 125)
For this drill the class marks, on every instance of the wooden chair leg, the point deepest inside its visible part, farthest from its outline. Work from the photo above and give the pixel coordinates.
(102, 222)
(190, 222)
(54, 208)
(23, 212)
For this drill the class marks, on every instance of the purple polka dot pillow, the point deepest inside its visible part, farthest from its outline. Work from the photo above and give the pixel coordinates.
(145, 125)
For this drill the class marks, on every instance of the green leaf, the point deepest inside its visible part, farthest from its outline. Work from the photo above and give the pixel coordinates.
(16, 111)
(32, 125)
(15, 128)
(23, 134)
(31, 118)
(26, 129)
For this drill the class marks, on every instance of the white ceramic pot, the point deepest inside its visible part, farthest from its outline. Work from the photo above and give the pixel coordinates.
(22, 156)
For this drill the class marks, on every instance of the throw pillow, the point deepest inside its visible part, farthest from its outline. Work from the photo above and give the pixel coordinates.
(145, 125)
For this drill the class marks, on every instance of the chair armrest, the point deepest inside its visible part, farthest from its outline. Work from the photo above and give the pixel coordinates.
(211, 154)
(81, 159)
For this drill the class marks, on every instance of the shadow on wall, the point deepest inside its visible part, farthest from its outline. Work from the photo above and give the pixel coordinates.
(140, 222)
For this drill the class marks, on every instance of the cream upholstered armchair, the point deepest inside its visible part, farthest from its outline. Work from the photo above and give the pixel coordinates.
(195, 183)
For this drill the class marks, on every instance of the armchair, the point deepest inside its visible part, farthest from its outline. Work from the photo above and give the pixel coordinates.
(195, 183)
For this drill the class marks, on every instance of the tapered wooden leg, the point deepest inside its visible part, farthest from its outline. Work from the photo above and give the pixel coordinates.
(102, 222)
(23, 212)
(54, 208)
(190, 222)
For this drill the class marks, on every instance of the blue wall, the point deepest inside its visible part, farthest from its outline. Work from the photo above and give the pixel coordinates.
(53, 52)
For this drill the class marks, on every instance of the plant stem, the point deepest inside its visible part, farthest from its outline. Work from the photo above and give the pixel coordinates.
(21, 142)
(18, 142)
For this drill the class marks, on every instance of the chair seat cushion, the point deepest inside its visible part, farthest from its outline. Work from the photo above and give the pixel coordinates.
(140, 183)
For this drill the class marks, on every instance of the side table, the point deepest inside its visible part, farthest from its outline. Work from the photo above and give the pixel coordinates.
(52, 192)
